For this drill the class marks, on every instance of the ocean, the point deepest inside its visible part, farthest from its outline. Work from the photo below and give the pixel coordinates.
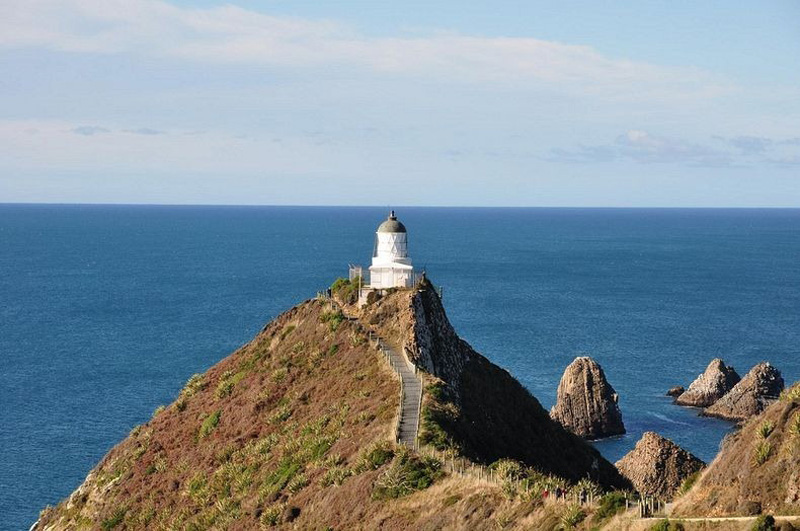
(108, 310)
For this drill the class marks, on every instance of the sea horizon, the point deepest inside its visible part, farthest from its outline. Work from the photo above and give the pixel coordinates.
(401, 206)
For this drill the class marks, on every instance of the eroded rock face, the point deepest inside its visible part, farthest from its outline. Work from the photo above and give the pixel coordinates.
(710, 386)
(586, 403)
(757, 390)
(658, 466)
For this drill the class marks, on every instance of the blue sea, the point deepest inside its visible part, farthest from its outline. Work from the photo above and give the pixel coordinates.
(108, 310)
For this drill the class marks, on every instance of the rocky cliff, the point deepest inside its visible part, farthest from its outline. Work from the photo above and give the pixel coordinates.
(474, 406)
(710, 386)
(658, 466)
(759, 388)
(295, 429)
(757, 469)
(586, 404)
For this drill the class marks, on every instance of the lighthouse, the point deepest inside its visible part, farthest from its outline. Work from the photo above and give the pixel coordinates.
(391, 267)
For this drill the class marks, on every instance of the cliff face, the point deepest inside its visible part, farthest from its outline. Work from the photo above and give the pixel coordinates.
(586, 404)
(657, 466)
(475, 406)
(758, 468)
(710, 386)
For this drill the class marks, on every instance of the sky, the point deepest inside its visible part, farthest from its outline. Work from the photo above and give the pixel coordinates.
(503, 103)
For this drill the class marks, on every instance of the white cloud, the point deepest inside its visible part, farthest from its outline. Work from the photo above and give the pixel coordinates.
(643, 147)
(230, 34)
(58, 145)
(89, 130)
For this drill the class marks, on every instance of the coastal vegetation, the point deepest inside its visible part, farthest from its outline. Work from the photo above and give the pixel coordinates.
(346, 290)
(294, 429)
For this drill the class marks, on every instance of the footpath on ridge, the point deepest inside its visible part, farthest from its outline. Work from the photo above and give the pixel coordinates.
(411, 395)
(410, 387)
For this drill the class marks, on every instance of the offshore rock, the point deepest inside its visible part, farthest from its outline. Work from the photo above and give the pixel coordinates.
(658, 466)
(676, 391)
(758, 464)
(586, 403)
(472, 404)
(710, 386)
(757, 390)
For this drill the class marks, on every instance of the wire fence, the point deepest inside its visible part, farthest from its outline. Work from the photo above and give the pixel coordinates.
(553, 491)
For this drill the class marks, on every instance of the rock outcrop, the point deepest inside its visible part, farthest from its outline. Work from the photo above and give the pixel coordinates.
(474, 405)
(676, 391)
(757, 466)
(295, 428)
(586, 403)
(710, 386)
(658, 466)
(759, 388)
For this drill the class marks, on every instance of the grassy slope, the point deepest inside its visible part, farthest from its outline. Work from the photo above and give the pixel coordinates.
(299, 400)
(756, 465)
(277, 433)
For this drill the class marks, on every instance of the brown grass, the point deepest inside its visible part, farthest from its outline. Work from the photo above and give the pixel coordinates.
(757, 465)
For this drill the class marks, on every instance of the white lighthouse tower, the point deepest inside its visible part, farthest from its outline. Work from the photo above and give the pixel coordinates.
(391, 267)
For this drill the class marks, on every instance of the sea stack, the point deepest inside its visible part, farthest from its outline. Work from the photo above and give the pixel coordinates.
(586, 403)
(710, 386)
(757, 390)
(658, 466)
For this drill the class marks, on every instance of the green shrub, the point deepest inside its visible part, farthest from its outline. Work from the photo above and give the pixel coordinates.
(195, 384)
(588, 487)
(288, 329)
(159, 410)
(610, 504)
(375, 457)
(666, 525)
(435, 391)
(280, 415)
(688, 483)
(433, 432)
(791, 394)
(765, 522)
(765, 429)
(198, 488)
(280, 374)
(794, 426)
(114, 520)
(298, 483)
(346, 290)
(761, 452)
(508, 469)
(572, 516)
(408, 473)
(333, 349)
(209, 424)
(271, 516)
(335, 476)
(227, 382)
(333, 319)
(281, 476)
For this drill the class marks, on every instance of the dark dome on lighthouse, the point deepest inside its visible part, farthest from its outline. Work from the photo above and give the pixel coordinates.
(391, 224)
